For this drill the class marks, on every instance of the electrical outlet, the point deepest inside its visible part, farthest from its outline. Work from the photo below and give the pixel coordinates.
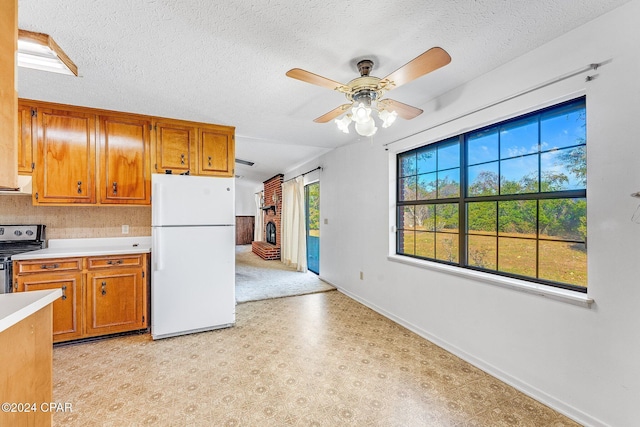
(125, 229)
(361, 275)
(326, 221)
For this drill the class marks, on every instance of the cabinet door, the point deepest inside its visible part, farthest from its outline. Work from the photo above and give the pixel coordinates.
(25, 150)
(115, 301)
(175, 147)
(125, 176)
(67, 322)
(216, 151)
(65, 157)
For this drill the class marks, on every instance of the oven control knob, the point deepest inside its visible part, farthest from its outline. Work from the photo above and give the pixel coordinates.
(29, 232)
(18, 233)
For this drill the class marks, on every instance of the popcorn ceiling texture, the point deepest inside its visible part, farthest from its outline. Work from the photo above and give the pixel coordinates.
(225, 61)
(73, 222)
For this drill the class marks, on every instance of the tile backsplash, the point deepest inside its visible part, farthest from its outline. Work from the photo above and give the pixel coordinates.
(73, 222)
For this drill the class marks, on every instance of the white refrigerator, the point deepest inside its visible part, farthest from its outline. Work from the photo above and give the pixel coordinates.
(192, 254)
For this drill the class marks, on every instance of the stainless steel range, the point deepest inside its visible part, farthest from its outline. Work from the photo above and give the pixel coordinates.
(17, 239)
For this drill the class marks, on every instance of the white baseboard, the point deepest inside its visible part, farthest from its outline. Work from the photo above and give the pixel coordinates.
(531, 391)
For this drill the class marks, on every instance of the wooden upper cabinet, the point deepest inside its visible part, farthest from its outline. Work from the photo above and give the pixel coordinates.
(175, 146)
(216, 151)
(82, 155)
(65, 157)
(25, 140)
(125, 175)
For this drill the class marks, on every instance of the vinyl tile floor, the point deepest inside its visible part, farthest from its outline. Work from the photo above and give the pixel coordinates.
(313, 360)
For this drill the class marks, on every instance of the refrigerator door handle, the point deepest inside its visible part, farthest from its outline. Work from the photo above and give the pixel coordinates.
(157, 252)
(157, 199)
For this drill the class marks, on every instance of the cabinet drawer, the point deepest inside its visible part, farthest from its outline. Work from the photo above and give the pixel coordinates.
(48, 265)
(115, 261)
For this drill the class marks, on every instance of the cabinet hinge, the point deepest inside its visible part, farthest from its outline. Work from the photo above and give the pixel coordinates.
(142, 319)
(156, 166)
(143, 274)
(34, 113)
(33, 165)
(150, 127)
(36, 196)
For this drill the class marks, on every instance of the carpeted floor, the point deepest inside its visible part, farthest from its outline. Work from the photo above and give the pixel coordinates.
(257, 279)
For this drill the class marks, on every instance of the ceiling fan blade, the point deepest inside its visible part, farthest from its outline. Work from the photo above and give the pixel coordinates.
(405, 111)
(314, 79)
(429, 61)
(333, 113)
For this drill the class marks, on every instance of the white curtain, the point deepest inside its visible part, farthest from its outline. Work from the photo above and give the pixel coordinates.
(258, 230)
(293, 249)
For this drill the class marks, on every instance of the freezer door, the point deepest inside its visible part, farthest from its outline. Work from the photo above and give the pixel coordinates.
(191, 200)
(193, 279)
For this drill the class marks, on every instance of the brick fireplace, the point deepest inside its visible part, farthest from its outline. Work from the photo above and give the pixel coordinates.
(272, 214)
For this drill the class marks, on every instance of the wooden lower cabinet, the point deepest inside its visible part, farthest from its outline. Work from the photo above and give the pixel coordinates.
(100, 295)
(115, 301)
(66, 316)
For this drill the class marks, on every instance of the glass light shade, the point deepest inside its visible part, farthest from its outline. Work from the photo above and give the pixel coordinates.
(343, 123)
(367, 128)
(387, 118)
(361, 113)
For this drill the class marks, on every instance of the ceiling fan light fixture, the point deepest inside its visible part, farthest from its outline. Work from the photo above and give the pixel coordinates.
(367, 128)
(361, 113)
(365, 93)
(388, 118)
(343, 123)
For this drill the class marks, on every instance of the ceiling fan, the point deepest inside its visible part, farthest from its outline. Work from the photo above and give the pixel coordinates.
(365, 92)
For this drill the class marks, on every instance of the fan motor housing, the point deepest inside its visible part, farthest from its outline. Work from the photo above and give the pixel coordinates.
(364, 87)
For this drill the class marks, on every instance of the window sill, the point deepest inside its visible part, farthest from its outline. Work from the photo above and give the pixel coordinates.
(563, 295)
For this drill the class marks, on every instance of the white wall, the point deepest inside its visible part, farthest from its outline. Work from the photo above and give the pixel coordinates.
(245, 202)
(585, 362)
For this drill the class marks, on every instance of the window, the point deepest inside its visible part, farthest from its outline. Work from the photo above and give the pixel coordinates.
(508, 199)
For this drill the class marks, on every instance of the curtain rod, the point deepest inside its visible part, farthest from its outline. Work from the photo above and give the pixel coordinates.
(303, 174)
(508, 98)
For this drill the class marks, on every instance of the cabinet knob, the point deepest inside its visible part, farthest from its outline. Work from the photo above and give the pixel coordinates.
(104, 288)
(64, 292)
(114, 186)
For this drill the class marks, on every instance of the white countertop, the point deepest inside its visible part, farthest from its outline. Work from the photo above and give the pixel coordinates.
(17, 306)
(63, 248)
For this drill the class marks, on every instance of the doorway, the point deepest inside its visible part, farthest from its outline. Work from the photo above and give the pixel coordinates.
(312, 210)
